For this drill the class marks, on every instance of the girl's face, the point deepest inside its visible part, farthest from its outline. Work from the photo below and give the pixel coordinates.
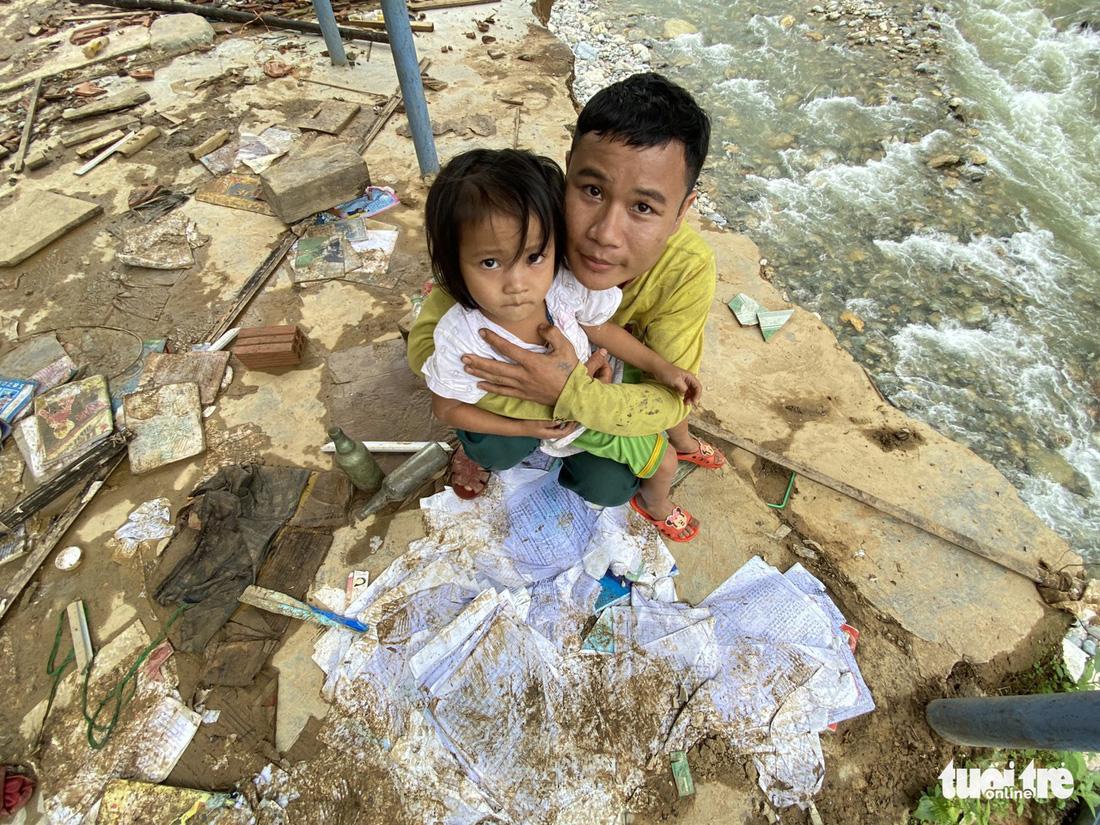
(508, 288)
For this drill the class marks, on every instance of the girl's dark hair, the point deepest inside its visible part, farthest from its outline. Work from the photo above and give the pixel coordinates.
(647, 110)
(483, 182)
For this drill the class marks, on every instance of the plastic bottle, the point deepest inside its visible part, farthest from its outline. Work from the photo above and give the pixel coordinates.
(355, 460)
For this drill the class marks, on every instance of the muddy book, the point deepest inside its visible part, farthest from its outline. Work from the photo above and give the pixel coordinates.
(72, 417)
(14, 396)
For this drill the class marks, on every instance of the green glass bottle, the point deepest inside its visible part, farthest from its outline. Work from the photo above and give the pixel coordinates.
(355, 460)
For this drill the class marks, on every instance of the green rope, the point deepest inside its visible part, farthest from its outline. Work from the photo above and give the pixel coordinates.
(786, 496)
(121, 693)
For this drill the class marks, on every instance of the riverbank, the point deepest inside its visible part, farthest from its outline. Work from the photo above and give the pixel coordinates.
(934, 620)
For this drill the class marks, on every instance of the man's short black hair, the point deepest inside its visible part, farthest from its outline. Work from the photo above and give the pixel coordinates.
(484, 182)
(646, 110)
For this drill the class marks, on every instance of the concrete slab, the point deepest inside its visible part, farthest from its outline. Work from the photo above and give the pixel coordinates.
(802, 396)
(36, 219)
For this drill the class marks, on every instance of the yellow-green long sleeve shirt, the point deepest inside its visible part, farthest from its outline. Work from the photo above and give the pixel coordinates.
(665, 308)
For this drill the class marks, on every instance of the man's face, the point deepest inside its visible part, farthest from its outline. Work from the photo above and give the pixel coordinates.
(622, 204)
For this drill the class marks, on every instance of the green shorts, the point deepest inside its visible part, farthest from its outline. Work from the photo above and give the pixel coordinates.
(641, 453)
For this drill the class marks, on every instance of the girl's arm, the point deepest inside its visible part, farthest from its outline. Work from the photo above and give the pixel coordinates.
(626, 347)
(463, 416)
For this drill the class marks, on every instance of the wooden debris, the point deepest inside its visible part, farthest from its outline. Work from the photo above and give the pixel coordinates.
(102, 156)
(255, 283)
(94, 147)
(213, 142)
(262, 347)
(25, 140)
(142, 74)
(36, 160)
(380, 25)
(54, 533)
(86, 133)
(139, 140)
(387, 111)
(111, 103)
(331, 117)
(100, 455)
(215, 13)
(428, 5)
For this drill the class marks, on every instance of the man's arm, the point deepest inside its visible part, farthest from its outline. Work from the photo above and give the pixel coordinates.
(463, 416)
(675, 333)
(422, 344)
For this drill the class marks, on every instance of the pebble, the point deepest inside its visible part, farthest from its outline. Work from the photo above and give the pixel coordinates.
(1089, 647)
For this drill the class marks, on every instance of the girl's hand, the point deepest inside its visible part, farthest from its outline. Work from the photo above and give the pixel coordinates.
(548, 429)
(599, 367)
(683, 382)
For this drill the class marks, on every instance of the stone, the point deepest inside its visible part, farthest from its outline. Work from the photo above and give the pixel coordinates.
(1089, 646)
(1075, 660)
(674, 27)
(174, 34)
(38, 218)
(586, 52)
(315, 181)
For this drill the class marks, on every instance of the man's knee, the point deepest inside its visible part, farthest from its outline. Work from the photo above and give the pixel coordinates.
(599, 481)
(496, 452)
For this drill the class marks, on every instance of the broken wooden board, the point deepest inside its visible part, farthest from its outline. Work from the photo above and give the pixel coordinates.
(167, 426)
(111, 103)
(206, 369)
(331, 117)
(36, 219)
(86, 133)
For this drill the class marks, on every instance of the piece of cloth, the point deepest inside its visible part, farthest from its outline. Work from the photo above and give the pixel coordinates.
(597, 480)
(665, 308)
(641, 453)
(239, 510)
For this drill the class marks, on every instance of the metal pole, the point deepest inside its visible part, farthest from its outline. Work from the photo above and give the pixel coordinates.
(412, 87)
(329, 30)
(1048, 721)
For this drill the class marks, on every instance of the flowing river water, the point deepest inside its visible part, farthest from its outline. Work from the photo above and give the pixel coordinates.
(927, 180)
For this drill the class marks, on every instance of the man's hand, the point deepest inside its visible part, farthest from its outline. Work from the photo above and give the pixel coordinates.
(548, 429)
(538, 377)
(599, 367)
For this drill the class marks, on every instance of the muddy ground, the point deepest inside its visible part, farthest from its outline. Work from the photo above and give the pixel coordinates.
(876, 765)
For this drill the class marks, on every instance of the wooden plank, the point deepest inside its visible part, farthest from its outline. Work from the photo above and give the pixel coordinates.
(380, 25)
(25, 140)
(331, 118)
(97, 145)
(215, 141)
(86, 133)
(111, 103)
(54, 533)
(427, 5)
(101, 455)
(387, 111)
(1041, 577)
(139, 140)
(255, 282)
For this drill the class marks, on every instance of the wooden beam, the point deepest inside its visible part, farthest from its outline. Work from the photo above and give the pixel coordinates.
(25, 140)
(1033, 572)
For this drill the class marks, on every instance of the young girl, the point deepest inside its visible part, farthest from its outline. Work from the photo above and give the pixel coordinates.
(495, 228)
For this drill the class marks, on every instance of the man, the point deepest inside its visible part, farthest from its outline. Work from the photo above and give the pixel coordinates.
(630, 179)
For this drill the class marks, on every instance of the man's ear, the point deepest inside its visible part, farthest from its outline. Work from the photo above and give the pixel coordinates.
(684, 207)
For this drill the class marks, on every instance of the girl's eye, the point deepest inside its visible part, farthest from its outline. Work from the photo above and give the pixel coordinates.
(536, 259)
(490, 263)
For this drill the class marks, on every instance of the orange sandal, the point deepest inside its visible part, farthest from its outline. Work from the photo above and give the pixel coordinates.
(707, 456)
(672, 527)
